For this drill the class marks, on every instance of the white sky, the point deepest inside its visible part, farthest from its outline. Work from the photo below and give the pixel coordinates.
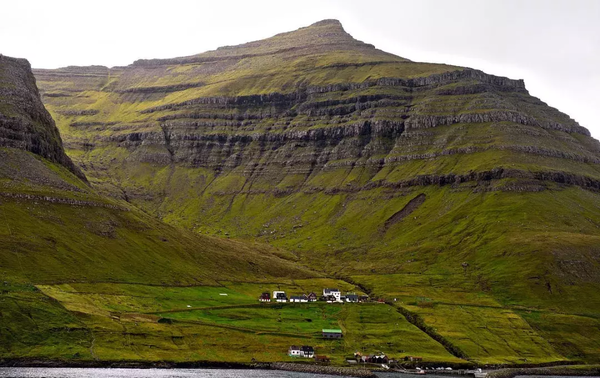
(553, 44)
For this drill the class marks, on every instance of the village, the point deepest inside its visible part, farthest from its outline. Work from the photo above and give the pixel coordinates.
(329, 296)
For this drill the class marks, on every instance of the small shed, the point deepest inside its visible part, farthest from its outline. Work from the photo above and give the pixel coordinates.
(322, 359)
(332, 334)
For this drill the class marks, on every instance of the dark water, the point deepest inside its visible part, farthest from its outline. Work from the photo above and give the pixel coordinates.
(150, 373)
(184, 373)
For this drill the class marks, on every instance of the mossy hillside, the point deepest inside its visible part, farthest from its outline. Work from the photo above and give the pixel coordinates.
(35, 326)
(468, 317)
(575, 337)
(328, 223)
(247, 167)
(488, 335)
(55, 228)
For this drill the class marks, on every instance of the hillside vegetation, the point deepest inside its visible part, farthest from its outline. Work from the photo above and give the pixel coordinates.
(469, 206)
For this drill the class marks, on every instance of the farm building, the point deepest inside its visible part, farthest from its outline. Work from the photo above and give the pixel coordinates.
(352, 298)
(307, 351)
(322, 359)
(299, 298)
(376, 359)
(265, 297)
(332, 334)
(279, 296)
(303, 351)
(312, 297)
(294, 351)
(335, 293)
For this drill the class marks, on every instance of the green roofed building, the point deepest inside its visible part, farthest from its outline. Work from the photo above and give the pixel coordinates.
(332, 333)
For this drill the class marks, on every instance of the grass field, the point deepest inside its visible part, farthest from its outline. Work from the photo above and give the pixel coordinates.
(152, 322)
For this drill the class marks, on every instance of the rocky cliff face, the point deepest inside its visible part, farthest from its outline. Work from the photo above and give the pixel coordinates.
(24, 121)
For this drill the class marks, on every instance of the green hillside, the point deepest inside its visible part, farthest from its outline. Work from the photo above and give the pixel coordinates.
(311, 160)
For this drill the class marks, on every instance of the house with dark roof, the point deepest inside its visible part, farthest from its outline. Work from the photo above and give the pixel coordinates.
(352, 298)
(335, 293)
(307, 351)
(312, 297)
(265, 297)
(380, 358)
(279, 296)
(304, 351)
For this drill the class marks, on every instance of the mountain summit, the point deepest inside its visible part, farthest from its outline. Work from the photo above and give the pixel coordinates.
(319, 38)
(452, 190)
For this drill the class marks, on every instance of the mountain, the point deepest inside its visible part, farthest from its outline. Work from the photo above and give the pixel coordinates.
(57, 231)
(470, 205)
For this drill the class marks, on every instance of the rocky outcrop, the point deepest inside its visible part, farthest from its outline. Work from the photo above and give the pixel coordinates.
(323, 369)
(24, 121)
(63, 201)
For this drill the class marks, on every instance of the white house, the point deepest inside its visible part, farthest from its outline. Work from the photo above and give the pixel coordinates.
(299, 298)
(303, 351)
(333, 293)
(294, 351)
(279, 296)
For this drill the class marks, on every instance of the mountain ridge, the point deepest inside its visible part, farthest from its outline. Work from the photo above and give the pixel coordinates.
(323, 152)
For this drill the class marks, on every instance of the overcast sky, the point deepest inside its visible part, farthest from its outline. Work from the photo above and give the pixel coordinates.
(553, 44)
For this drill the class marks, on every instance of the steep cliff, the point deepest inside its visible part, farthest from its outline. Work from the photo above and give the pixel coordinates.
(365, 164)
(24, 121)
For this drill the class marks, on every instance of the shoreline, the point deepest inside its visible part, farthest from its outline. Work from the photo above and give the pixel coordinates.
(556, 370)
(282, 366)
(568, 370)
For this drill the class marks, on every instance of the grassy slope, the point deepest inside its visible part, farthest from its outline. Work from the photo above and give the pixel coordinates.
(233, 327)
(45, 240)
(529, 245)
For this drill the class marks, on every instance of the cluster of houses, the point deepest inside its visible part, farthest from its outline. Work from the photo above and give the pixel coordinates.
(329, 296)
(378, 358)
(302, 351)
(307, 352)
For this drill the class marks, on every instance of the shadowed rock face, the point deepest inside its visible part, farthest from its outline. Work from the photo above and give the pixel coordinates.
(304, 102)
(24, 121)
